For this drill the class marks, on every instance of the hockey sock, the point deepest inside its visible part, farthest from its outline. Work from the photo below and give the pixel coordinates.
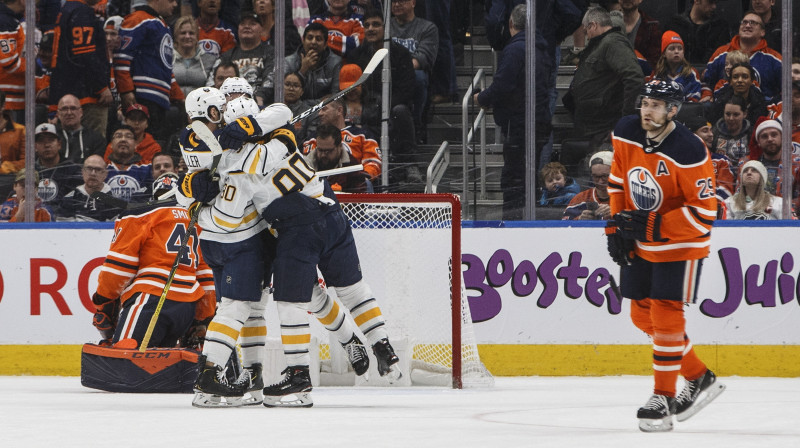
(692, 367)
(364, 309)
(330, 315)
(295, 333)
(253, 338)
(223, 331)
(668, 344)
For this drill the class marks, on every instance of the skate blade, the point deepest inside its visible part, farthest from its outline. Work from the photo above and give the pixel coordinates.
(703, 400)
(656, 425)
(394, 374)
(251, 398)
(298, 400)
(204, 400)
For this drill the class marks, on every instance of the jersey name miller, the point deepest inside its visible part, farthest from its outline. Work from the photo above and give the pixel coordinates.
(645, 192)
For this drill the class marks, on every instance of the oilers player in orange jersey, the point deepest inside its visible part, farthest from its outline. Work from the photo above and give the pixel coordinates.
(661, 190)
(133, 275)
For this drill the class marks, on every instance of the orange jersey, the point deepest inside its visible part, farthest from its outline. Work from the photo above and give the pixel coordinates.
(216, 39)
(360, 147)
(674, 179)
(142, 253)
(12, 64)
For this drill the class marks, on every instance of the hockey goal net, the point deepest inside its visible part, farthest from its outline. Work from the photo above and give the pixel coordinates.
(407, 244)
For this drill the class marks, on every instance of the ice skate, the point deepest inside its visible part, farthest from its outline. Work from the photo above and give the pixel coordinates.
(357, 354)
(252, 381)
(387, 360)
(697, 394)
(656, 414)
(294, 391)
(212, 388)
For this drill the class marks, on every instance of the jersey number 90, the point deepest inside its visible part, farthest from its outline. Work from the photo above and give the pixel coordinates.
(294, 177)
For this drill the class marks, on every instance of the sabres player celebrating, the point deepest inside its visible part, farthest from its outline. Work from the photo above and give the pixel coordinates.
(662, 200)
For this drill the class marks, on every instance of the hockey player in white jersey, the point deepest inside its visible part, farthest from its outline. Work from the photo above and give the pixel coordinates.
(312, 232)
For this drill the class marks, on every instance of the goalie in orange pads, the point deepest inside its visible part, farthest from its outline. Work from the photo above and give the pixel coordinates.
(662, 199)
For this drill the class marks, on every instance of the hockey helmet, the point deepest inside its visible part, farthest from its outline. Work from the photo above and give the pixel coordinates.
(200, 101)
(240, 107)
(670, 92)
(165, 186)
(236, 84)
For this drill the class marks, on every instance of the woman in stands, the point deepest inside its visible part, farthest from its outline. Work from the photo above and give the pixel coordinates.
(742, 84)
(673, 66)
(753, 201)
(191, 64)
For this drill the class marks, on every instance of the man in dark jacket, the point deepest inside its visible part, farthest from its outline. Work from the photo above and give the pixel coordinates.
(607, 81)
(701, 29)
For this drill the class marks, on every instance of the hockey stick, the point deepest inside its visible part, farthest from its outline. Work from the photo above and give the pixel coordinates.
(377, 58)
(204, 134)
(124, 205)
(340, 170)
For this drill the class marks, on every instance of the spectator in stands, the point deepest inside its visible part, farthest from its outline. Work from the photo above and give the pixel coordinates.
(358, 145)
(314, 62)
(253, 57)
(229, 10)
(12, 64)
(732, 131)
(77, 141)
(354, 99)
(766, 61)
(753, 201)
(605, 88)
(345, 30)
(221, 72)
(12, 141)
(674, 67)
(138, 117)
(443, 72)
(795, 69)
(592, 203)
(16, 205)
(497, 13)
(769, 134)
(293, 98)
(127, 177)
(506, 96)
(643, 31)
(701, 30)
(329, 153)
(741, 84)
(559, 189)
(81, 65)
(79, 205)
(162, 163)
(265, 9)
(772, 21)
(57, 177)
(214, 34)
(143, 65)
(111, 29)
(192, 64)
(403, 145)
(724, 177)
(421, 39)
(44, 68)
(733, 57)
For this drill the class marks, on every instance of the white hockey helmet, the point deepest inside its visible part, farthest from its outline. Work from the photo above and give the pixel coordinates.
(200, 101)
(236, 84)
(240, 107)
(165, 186)
(274, 116)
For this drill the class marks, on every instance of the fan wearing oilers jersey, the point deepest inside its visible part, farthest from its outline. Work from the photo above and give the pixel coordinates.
(312, 232)
(661, 190)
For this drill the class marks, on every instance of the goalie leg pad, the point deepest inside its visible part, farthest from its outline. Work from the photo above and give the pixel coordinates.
(224, 329)
(160, 370)
(364, 309)
(295, 333)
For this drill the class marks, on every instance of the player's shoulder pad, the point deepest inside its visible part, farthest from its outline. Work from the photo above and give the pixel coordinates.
(684, 147)
(629, 127)
(189, 141)
(285, 136)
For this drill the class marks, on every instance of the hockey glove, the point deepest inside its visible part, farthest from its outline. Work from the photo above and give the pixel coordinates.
(620, 249)
(235, 134)
(106, 315)
(195, 335)
(199, 186)
(639, 225)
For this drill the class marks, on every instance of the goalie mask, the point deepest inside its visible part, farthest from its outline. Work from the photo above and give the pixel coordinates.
(240, 107)
(236, 85)
(200, 101)
(165, 186)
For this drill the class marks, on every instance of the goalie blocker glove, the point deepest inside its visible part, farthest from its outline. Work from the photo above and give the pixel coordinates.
(619, 248)
(105, 317)
(639, 225)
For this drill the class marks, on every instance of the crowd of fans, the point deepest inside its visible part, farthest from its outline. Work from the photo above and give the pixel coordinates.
(119, 100)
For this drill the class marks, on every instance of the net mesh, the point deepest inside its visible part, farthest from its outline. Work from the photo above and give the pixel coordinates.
(405, 249)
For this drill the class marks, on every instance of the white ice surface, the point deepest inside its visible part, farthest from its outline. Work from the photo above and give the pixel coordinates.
(537, 412)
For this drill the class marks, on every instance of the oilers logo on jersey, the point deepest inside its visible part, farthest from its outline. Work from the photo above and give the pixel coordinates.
(645, 192)
(124, 186)
(167, 51)
(48, 190)
(210, 46)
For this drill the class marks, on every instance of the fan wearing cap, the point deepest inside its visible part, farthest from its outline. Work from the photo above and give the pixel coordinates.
(57, 176)
(354, 100)
(768, 151)
(592, 203)
(137, 116)
(254, 58)
(752, 201)
(80, 63)
(673, 65)
(12, 209)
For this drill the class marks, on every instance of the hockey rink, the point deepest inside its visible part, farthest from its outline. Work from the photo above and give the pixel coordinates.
(537, 412)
